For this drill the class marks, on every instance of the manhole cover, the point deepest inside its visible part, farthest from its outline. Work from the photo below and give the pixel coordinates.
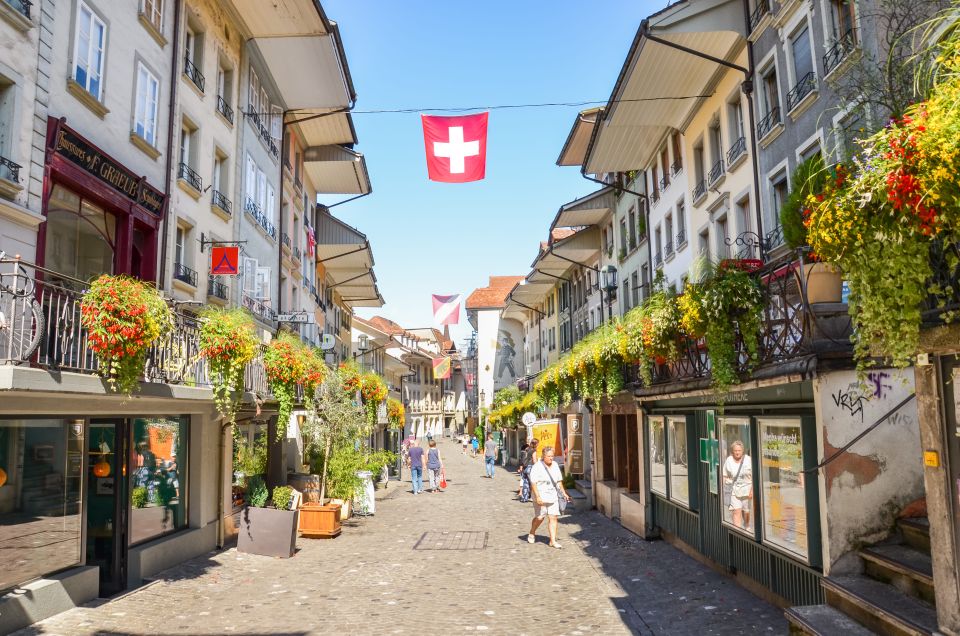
(452, 540)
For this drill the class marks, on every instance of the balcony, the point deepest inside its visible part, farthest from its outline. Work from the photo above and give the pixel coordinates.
(187, 173)
(716, 172)
(655, 197)
(285, 240)
(221, 202)
(768, 123)
(297, 184)
(21, 6)
(664, 182)
(681, 239)
(217, 289)
(804, 87)
(224, 109)
(191, 71)
(840, 49)
(258, 308)
(700, 190)
(668, 247)
(251, 208)
(675, 168)
(9, 170)
(184, 274)
(63, 348)
(657, 259)
(297, 254)
(737, 150)
(762, 9)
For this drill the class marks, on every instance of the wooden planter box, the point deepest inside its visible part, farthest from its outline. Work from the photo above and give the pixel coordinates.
(320, 522)
(346, 507)
(268, 532)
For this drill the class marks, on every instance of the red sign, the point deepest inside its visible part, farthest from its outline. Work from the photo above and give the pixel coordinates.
(456, 147)
(224, 261)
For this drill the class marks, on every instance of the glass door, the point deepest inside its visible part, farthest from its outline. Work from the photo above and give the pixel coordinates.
(107, 510)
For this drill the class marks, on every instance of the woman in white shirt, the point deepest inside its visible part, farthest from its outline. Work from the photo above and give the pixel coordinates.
(738, 476)
(546, 486)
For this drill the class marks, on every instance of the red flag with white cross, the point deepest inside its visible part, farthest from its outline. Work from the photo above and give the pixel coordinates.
(456, 147)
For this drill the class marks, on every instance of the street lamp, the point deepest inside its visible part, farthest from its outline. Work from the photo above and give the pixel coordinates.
(608, 280)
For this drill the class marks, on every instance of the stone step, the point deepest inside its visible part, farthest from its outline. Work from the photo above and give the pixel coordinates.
(579, 501)
(916, 532)
(879, 606)
(903, 566)
(823, 620)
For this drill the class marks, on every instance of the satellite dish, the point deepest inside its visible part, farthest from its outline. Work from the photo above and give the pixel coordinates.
(528, 418)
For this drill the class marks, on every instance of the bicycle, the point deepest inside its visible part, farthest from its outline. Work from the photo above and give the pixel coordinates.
(21, 316)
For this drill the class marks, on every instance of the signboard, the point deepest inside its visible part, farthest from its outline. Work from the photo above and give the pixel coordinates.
(225, 261)
(300, 317)
(82, 153)
(574, 458)
(547, 433)
(528, 418)
(327, 342)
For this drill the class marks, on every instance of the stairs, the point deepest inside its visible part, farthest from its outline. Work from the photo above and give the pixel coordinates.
(893, 595)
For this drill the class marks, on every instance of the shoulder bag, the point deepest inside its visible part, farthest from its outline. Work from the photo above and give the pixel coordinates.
(561, 501)
(733, 484)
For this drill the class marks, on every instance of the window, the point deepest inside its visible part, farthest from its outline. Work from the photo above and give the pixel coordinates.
(743, 215)
(262, 190)
(251, 180)
(633, 227)
(703, 245)
(668, 224)
(735, 114)
(658, 243)
(723, 238)
(736, 473)
(635, 285)
(716, 150)
(699, 168)
(782, 484)
(263, 284)
(253, 95)
(153, 11)
(645, 280)
(623, 235)
(677, 155)
(221, 172)
(180, 245)
(81, 236)
(8, 136)
(145, 118)
(681, 224)
(658, 455)
(271, 202)
(276, 122)
(665, 167)
(654, 185)
(769, 101)
(42, 497)
(802, 56)
(88, 51)
(677, 452)
(778, 194)
(158, 480)
(626, 295)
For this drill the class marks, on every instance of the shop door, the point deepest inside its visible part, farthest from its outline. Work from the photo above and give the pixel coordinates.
(107, 510)
(950, 377)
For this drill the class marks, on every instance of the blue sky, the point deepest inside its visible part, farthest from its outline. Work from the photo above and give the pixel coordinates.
(448, 238)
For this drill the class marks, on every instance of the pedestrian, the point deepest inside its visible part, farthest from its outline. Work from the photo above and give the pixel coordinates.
(523, 450)
(527, 461)
(738, 485)
(416, 466)
(434, 466)
(475, 444)
(464, 440)
(490, 454)
(546, 484)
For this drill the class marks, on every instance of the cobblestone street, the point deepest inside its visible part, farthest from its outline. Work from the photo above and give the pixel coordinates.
(371, 580)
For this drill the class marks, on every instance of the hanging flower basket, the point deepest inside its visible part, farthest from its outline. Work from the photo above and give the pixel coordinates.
(289, 363)
(228, 341)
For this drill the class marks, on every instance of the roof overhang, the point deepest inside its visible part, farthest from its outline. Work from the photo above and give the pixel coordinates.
(586, 211)
(347, 259)
(582, 248)
(337, 170)
(526, 296)
(647, 103)
(575, 147)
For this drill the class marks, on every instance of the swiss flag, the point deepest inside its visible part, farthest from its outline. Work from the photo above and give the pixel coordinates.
(456, 147)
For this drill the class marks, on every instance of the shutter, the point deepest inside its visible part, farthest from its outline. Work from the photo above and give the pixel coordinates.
(261, 189)
(271, 202)
(276, 124)
(263, 284)
(251, 191)
(250, 276)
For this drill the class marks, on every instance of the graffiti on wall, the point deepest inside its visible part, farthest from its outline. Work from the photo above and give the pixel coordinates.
(877, 386)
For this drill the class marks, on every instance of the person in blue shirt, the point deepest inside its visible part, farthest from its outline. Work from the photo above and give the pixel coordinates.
(475, 444)
(416, 466)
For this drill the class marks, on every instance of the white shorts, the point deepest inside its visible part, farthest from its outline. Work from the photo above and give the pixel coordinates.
(552, 509)
(740, 503)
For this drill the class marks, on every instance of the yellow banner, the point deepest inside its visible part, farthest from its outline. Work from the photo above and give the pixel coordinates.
(548, 434)
(441, 368)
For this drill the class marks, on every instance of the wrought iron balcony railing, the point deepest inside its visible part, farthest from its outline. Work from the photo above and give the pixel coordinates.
(700, 190)
(737, 150)
(655, 196)
(217, 289)
(681, 238)
(222, 202)
(762, 8)
(664, 182)
(839, 50)
(184, 274)
(190, 70)
(187, 173)
(716, 172)
(675, 168)
(63, 345)
(251, 208)
(768, 123)
(224, 108)
(298, 184)
(657, 258)
(297, 254)
(9, 170)
(804, 87)
(285, 239)
(668, 248)
(23, 6)
(259, 308)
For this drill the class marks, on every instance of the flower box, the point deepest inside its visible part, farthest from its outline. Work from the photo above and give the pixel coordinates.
(268, 532)
(320, 521)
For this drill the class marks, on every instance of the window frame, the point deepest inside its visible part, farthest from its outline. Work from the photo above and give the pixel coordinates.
(94, 20)
(149, 128)
(152, 10)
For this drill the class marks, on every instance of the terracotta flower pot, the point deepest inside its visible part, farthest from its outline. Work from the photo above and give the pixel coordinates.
(824, 283)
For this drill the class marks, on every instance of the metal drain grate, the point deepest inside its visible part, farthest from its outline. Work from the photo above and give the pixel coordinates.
(452, 540)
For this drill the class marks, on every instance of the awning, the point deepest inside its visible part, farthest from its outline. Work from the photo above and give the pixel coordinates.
(586, 211)
(647, 102)
(336, 170)
(582, 247)
(575, 147)
(347, 258)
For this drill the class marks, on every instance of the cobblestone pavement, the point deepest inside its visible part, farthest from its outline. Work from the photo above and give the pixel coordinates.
(371, 580)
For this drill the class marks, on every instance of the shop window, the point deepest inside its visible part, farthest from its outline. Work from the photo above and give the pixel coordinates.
(89, 44)
(145, 118)
(41, 471)
(677, 452)
(736, 473)
(158, 478)
(782, 485)
(80, 236)
(658, 454)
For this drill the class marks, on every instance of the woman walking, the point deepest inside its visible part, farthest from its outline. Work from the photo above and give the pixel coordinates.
(434, 466)
(527, 460)
(546, 483)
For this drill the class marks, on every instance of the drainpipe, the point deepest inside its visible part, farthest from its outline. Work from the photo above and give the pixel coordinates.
(221, 463)
(167, 179)
(747, 87)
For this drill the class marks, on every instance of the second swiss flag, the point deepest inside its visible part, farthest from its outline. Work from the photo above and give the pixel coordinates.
(456, 147)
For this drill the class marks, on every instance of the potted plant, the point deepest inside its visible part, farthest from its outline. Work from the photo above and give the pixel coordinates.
(288, 364)
(269, 531)
(824, 281)
(228, 341)
(123, 317)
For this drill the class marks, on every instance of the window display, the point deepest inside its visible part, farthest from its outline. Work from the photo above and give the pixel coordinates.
(736, 472)
(658, 465)
(677, 445)
(158, 477)
(782, 484)
(249, 458)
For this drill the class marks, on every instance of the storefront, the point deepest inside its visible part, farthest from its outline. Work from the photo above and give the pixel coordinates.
(734, 484)
(100, 216)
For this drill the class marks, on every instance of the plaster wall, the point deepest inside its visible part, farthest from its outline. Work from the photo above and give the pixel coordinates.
(863, 490)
